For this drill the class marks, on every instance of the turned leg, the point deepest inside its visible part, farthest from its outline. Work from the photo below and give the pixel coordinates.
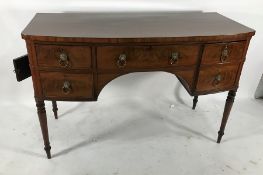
(229, 103)
(55, 109)
(195, 100)
(43, 124)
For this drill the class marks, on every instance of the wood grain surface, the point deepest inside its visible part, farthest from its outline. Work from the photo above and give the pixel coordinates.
(132, 27)
(79, 57)
(146, 56)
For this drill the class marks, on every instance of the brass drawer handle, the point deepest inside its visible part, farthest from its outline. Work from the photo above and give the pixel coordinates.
(66, 88)
(224, 54)
(217, 80)
(174, 58)
(63, 60)
(122, 61)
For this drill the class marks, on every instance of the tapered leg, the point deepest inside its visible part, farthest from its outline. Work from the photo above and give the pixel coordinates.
(229, 103)
(195, 100)
(43, 124)
(55, 109)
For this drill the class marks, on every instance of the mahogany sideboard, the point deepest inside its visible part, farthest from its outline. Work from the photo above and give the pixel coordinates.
(72, 56)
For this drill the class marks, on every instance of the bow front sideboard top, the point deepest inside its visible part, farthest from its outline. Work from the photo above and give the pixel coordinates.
(72, 56)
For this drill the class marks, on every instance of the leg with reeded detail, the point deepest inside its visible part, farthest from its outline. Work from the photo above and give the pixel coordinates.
(43, 124)
(195, 100)
(55, 109)
(229, 103)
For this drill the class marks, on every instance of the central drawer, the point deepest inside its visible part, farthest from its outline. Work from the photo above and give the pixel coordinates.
(145, 57)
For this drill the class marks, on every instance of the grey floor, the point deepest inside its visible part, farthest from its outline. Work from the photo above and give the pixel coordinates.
(143, 134)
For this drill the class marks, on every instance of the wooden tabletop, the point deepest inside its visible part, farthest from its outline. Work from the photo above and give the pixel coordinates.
(132, 25)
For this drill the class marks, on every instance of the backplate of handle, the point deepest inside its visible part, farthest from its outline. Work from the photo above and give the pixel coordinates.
(122, 61)
(218, 79)
(174, 57)
(224, 54)
(66, 88)
(63, 60)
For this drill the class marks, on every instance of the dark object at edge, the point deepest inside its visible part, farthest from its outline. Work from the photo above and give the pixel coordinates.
(22, 69)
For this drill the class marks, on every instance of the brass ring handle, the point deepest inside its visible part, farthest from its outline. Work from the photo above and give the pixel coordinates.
(224, 54)
(122, 61)
(174, 57)
(63, 60)
(218, 79)
(66, 88)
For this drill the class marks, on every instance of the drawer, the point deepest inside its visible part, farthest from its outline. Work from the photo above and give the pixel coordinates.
(143, 57)
(217, 78)
(60, 56)
(62, 85)
(223, 52)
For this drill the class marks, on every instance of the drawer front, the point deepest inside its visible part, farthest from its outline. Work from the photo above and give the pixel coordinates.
(66, 57)
(56, 84)
(217, 78)
(143, 57)
(223, 52)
